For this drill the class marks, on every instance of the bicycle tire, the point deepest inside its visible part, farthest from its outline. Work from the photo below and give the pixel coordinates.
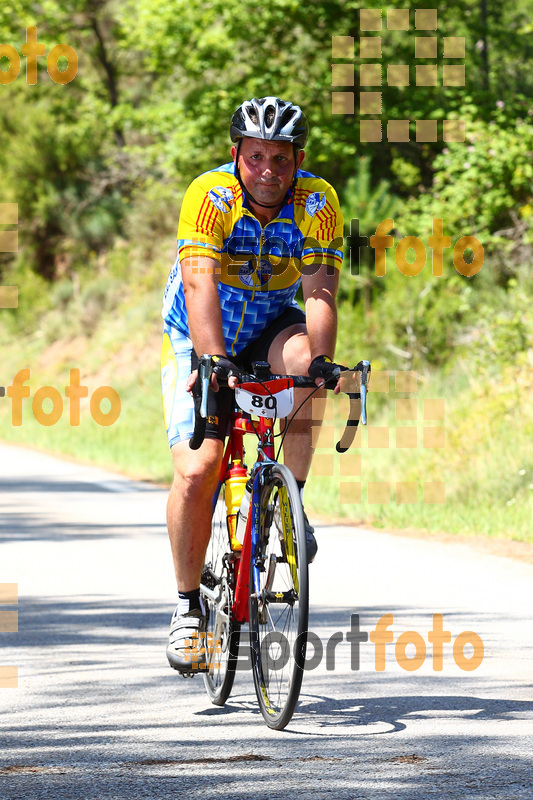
(279, 614)
(223, 633)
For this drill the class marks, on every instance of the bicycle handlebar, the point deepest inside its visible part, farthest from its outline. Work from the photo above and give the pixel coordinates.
(357, 398)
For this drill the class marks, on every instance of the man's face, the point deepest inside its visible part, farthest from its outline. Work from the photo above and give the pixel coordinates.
(267, 168)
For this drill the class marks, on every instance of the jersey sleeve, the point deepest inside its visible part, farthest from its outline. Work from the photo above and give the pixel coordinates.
(324, 239)
(200, 228)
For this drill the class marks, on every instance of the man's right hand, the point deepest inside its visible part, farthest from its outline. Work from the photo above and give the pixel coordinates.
(223, 367)
(226, 369)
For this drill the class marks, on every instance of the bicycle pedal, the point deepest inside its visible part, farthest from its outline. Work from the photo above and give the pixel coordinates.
(184, 674)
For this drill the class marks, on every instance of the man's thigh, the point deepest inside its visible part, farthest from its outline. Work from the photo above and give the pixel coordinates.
(270, 345)
(178, 360)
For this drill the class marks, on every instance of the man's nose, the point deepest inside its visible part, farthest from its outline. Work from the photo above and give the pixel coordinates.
(270, 167)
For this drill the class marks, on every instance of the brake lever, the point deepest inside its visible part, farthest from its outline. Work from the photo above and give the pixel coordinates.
(205, 370)
(365, 375)
(357, 407)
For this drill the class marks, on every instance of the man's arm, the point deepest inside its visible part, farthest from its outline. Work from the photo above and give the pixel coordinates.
(200, 279)
(200, 276)
(320, 291)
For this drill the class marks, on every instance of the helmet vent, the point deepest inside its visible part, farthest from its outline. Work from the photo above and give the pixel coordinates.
(270, 114)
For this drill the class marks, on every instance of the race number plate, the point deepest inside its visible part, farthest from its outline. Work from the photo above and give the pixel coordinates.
(270, 399)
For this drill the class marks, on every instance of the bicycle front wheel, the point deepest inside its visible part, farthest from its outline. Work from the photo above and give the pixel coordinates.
(223, 633)
(279, 598)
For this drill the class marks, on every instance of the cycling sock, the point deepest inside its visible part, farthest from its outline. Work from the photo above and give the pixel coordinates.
(189, 601)
(301, 485)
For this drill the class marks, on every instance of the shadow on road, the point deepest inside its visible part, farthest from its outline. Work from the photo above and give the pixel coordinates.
(99, 706)
(21, 526)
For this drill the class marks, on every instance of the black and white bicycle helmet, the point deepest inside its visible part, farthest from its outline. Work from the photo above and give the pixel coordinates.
(272, 119)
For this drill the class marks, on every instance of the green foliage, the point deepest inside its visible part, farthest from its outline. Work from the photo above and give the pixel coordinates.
(481, 188)
(365, 202)
(368, 204)
(56, 172)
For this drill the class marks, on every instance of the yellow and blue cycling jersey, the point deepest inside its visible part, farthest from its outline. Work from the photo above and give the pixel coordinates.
(260, 268)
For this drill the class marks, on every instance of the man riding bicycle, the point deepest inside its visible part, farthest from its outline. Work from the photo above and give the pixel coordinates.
(249, 233)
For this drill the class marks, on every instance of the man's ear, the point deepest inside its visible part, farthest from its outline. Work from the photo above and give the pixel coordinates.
(301, 156)
(233, 152)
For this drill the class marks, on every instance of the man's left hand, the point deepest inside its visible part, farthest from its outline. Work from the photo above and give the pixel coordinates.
(325, 372)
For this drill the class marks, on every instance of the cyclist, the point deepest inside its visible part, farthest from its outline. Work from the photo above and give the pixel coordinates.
(249, 233)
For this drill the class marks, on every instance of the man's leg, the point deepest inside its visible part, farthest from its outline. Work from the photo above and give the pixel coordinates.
(189, 527)
(196, 474)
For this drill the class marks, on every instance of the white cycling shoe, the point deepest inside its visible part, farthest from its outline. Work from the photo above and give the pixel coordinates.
(186, 641)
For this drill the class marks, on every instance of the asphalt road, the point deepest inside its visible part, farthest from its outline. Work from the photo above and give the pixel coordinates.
(98, 713)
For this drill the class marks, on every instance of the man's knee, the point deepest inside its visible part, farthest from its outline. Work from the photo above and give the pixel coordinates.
(197, 468)
(293, 349)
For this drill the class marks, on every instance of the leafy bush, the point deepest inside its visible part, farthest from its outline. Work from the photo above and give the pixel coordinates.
(480, 188)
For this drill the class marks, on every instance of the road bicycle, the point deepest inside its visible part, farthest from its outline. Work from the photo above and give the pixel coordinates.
(263, 579)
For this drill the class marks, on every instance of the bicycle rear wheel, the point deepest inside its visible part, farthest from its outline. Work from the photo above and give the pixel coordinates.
(279, 610)
(223, 633)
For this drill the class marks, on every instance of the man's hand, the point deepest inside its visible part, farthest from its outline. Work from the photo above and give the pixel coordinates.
(223, 367)
(326, 373)
(226, 369)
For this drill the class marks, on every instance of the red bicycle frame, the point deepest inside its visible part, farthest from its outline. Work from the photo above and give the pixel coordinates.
(239, 426)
